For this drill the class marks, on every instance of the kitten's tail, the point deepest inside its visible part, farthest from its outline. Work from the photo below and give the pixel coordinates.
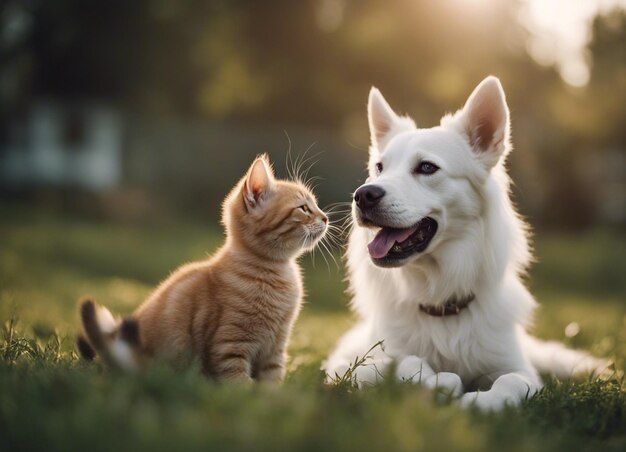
(554, 358)
(116, 341)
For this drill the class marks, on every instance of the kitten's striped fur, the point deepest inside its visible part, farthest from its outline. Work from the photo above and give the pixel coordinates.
(234, 311)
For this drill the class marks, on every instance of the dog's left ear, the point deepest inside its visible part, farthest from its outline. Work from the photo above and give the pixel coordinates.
(485, 119)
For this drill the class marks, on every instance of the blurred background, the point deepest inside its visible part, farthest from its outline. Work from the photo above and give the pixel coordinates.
(154, 107)
(124, 123)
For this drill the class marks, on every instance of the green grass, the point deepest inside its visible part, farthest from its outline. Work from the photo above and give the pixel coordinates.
(50, 399)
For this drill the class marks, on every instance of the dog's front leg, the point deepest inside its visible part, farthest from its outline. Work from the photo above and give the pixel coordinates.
(509, 389)
(417, 370)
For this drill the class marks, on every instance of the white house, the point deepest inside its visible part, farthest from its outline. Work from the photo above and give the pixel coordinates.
(61, 145)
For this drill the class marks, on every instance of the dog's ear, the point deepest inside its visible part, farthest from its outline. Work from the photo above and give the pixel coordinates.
(383, 121)
(259, 182)
(485, 119)
(380, 115)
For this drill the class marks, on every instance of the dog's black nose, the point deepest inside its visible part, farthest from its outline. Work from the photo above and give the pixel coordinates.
(368, 196)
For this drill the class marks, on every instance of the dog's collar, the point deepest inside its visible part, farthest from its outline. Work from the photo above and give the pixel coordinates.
(453, 306)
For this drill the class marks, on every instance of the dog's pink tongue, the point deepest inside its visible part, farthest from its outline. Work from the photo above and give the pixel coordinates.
(386, 238)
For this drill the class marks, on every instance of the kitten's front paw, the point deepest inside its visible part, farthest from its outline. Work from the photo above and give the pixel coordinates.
(272, 374)
(238, 378)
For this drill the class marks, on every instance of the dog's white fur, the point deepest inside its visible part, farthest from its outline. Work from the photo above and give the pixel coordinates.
(480, 247)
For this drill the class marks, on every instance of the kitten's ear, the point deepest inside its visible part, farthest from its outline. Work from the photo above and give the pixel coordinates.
(383, 121)
(259, 182)
(485, 118)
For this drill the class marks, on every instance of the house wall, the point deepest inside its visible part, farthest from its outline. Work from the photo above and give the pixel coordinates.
(75, 146)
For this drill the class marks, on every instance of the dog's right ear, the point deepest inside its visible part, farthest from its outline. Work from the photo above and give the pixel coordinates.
(383, 121)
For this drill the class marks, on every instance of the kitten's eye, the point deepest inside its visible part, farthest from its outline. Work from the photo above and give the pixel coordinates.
(304, 208)
(426, 168)
(379, 168)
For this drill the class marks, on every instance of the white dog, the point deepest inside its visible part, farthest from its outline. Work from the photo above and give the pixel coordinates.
(436, 257)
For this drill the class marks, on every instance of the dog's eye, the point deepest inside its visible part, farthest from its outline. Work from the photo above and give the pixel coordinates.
(304, 208)
(379, 168)
(426, 168)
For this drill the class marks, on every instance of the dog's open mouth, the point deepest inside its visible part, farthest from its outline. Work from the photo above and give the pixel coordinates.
(392, 245)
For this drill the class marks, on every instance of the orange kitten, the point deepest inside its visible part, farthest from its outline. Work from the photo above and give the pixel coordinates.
(234, 311)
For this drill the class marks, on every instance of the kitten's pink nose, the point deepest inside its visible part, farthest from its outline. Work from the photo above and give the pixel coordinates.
(324, 218)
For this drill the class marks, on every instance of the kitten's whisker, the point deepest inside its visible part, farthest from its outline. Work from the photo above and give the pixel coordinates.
(315, 178)
(352, 145)
(338, 208)
(301, 160)
(333, 225)
(314, 186)
(309, 161)
(306, 151)
(311, 164)
(288, 157)
(334, 240)
(305, 243)
(321, 248)
(310, 185)
(338, 225)
(330, 241)
(338, 215)
(330, 254)
(302, 177)
(342, 203)
(339, 246)
(333, 228)
(345, 223)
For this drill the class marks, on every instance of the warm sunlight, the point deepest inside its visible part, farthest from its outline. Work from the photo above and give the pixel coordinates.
(560, 30)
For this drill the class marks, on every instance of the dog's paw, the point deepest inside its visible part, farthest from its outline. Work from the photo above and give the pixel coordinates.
(508, 390)
(364, 375)
(367, 375)
(413, 369)
(416, 370)
(448, 381)
(336, 372)
(487, 401)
